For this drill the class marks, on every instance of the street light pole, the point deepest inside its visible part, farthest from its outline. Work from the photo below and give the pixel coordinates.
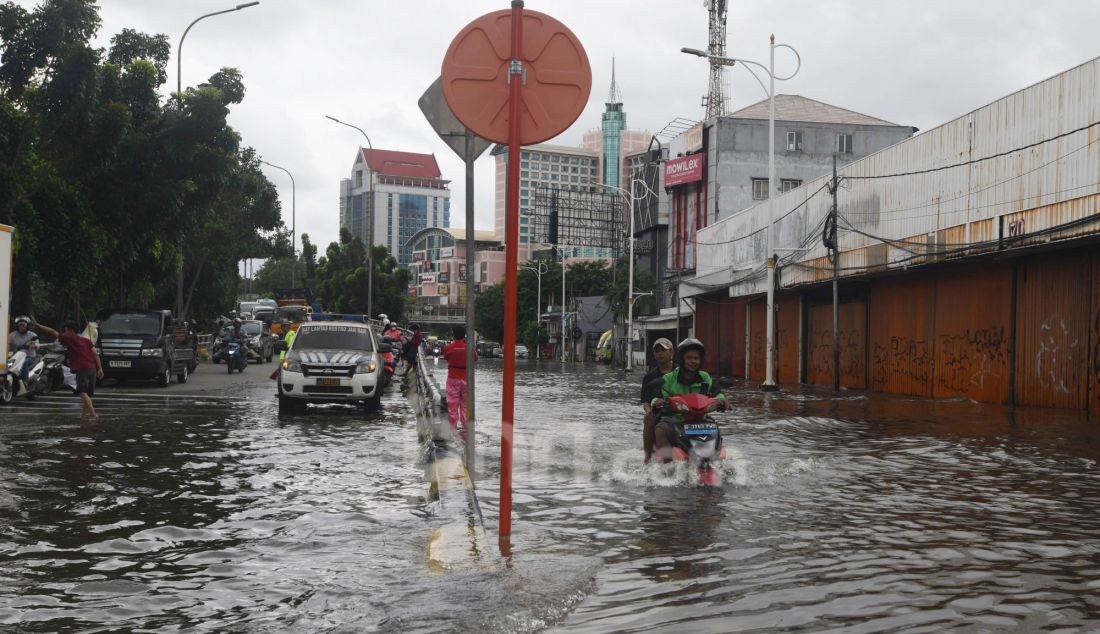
(370, 215)
(562, 304)
(179, 103)
(630, 277)
(293, 223)
(769, 379)
(538, 302)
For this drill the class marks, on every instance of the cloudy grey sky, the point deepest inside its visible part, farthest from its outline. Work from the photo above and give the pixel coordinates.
(367, 62)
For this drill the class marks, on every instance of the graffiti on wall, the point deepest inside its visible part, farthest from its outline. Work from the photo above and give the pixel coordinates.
(905, 357)
(972, 360)
(1055, 361)
(820, 357)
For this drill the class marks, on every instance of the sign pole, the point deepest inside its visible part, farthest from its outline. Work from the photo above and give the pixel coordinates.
(471, 339)
(511, 279)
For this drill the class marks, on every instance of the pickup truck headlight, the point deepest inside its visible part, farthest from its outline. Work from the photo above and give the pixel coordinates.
(292, 365)
(366, 367)
(152, 352)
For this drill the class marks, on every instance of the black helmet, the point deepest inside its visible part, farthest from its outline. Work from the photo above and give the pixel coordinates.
(690, 343)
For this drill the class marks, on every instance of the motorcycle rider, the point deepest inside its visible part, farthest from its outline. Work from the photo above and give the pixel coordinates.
(22, 338)
(686, 379)
(662, 354)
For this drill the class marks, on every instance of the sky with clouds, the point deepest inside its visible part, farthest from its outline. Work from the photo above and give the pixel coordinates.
(368, 61)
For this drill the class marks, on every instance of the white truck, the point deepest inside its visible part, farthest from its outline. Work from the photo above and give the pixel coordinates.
(6, 385)
(331, 362)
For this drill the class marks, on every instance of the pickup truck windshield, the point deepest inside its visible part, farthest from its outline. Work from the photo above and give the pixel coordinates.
(131, 324)
(334, 338)
(251, 328)
(290, 313)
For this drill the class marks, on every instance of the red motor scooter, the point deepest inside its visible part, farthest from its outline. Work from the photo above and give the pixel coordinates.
(696, 438)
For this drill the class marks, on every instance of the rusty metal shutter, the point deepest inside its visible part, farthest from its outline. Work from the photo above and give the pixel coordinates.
(853, 344)
(902, 319)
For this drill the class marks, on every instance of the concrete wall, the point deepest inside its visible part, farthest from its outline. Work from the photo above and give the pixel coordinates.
(738, 151)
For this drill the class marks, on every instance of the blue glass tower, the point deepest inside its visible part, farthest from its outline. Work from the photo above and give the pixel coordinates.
(613, 122)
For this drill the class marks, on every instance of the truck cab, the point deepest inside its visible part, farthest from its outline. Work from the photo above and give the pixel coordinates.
(145, 344)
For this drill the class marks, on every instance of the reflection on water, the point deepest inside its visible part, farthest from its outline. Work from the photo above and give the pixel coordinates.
(861, 513)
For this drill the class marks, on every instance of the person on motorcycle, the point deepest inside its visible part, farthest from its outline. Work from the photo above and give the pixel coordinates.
(686, 379)
(22, 338)
(662, 354)
(238, 334)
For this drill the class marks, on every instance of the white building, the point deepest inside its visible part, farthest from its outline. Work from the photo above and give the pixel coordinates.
(408, 195)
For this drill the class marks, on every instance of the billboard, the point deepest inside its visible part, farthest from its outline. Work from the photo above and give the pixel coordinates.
(446, 252)
(686, 169)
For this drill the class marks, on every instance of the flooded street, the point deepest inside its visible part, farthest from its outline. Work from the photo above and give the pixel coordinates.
(862, 514)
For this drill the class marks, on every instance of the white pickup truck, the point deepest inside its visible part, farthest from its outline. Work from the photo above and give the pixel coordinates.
(332, 362)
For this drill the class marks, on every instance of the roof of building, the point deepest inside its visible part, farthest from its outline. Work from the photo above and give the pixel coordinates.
(393, 163)
(458, 233)
(480, 235)
(501, 148)
(799, 108)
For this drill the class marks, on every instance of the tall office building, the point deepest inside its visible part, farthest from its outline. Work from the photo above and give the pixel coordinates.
(408, 196)
(613, 141)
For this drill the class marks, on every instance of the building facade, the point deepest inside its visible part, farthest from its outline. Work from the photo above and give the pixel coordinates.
(403, 191)
(541, 165)
(966, 262)
(439, 265)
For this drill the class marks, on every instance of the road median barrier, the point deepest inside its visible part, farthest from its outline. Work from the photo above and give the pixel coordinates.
(459, 541)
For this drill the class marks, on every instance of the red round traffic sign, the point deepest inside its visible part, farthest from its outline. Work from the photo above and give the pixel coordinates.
(475, 76)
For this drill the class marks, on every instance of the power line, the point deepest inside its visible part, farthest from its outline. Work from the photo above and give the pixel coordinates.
(979, 160)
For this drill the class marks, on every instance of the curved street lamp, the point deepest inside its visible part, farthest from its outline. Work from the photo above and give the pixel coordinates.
(293, 223)
(179, 101)
(769, 378)
(630, 295)
(370, 215)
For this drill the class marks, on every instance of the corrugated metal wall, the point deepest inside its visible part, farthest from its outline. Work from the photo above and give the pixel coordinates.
(758, 338)
(1052, 329)
(1094, 342)
(973, 332)
(853, 344)
(709, 329)
(732, 362)
(788, 339)
(902, 318)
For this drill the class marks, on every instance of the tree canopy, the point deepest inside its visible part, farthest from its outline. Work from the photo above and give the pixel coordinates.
(111, 187)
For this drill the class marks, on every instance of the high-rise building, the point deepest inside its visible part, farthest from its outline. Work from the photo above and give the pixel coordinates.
(613, 141)
(408, 195)
(600, 160)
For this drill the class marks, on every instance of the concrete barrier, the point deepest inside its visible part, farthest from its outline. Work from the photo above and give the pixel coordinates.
(459, 541)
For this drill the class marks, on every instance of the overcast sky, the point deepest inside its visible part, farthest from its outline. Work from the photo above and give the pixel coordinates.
(368, 61)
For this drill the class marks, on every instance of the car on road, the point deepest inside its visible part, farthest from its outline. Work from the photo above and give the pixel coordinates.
(498, 351)
(521, 351)
(486, 348)
(332, 362)
(261, 344)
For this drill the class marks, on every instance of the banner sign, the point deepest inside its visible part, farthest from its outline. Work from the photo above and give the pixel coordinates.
(686, 169)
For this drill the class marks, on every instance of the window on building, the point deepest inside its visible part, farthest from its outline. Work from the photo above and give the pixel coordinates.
(759, 189)
(554, 158)
(794, 141)
(524, 174)
(844, 144)
(525, 154)
(534, 156)
(358, 178)
(523, 201)
(523, 164)
(787, 184)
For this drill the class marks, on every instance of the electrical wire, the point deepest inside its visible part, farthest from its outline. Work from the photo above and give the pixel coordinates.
(978, 160)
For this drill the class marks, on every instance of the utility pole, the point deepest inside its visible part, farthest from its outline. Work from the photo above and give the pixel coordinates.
(831, 243)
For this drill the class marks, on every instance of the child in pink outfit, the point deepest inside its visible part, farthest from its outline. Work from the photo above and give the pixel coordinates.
(455, 354)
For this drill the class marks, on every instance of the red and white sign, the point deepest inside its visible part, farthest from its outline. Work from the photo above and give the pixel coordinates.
(686, 169)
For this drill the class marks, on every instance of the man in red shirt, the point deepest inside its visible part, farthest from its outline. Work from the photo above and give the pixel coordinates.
(455, 354)
(83, 361)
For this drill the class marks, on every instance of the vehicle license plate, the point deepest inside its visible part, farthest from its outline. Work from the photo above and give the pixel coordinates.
(700, 429)
(328, 382)
(118, 364)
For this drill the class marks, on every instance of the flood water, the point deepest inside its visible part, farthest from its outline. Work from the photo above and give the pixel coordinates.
(859, 514)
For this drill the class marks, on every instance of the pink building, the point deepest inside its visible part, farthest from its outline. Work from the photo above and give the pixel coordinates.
(438, 265)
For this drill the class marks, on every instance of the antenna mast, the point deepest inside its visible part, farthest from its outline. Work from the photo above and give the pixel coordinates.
(715, 102)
